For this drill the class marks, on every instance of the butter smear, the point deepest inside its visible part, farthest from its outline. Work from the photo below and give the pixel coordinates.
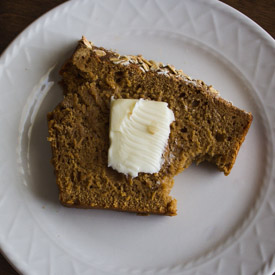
(139, 132)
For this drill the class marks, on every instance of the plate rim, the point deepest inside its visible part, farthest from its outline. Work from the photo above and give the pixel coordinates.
(9, 52)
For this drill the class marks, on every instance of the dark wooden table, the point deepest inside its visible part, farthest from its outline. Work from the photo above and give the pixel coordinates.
(16, 15)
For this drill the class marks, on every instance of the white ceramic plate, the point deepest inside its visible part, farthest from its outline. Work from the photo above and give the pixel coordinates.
(225, 225)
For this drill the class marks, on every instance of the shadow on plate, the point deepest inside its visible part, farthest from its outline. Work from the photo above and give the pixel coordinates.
(40, 177)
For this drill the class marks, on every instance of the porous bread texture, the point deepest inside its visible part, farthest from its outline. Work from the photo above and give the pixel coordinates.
(206, 128)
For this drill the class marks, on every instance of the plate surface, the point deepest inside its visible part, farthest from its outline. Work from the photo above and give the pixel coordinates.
(225, 225)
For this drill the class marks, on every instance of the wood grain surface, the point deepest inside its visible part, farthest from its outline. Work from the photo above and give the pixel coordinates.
(16, 15)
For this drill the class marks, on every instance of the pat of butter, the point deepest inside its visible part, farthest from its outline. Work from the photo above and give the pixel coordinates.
(139, 131)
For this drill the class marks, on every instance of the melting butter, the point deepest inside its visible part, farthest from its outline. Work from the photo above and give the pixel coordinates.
(139, 131)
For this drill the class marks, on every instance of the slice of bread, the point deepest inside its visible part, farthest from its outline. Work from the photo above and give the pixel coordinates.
(206, 128)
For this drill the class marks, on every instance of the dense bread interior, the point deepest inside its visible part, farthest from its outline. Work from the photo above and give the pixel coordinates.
(206, 127)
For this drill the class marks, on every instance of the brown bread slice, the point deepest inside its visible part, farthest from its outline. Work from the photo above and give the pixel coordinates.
(206, 128)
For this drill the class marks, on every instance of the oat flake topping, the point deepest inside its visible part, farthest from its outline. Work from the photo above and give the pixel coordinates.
(149, 65)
